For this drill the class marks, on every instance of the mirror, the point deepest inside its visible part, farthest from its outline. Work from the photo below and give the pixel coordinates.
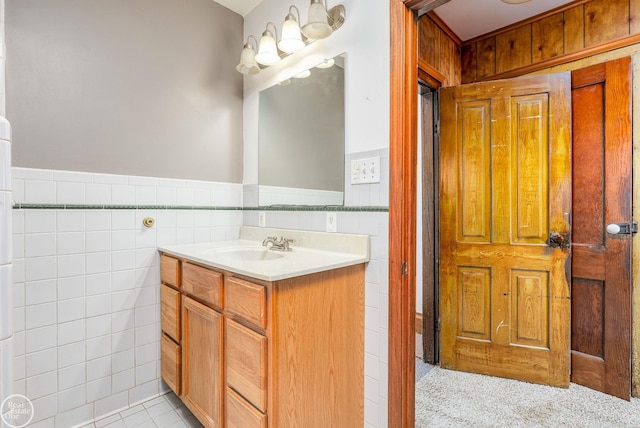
(301, 139)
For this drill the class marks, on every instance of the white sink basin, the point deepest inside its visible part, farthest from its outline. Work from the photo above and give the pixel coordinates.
(314, 252)
(248, 255)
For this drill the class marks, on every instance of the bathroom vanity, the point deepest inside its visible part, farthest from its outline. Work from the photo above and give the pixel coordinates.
(254, 337)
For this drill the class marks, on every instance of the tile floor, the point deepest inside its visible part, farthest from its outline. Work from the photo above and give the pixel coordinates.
(165, 411)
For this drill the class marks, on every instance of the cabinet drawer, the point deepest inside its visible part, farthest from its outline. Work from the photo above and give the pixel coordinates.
(171, 361)
(241, 414)
(203, 284)
(246, 358)
(170, 311)
(170, 270)
(247, 300)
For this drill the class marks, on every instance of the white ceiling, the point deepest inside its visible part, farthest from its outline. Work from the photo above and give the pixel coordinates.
(471, 18)
(467, 18)
(241, 7)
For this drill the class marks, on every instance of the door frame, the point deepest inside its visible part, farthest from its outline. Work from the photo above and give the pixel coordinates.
(402, 213)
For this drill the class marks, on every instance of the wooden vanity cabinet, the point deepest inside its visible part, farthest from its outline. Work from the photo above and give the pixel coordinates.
(281, 354)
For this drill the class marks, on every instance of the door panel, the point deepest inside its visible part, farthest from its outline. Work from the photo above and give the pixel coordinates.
(601, 275)
(505, 187)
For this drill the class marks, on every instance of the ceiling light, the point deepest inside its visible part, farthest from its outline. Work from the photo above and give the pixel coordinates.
(515, 1)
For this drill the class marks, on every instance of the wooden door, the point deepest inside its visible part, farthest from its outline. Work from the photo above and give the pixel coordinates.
(429, 239)
(601, 262)
(202, 375)
(505, 193)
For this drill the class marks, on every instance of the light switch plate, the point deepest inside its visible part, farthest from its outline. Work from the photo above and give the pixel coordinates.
(364, 171)
(332, 222)
(262, 219)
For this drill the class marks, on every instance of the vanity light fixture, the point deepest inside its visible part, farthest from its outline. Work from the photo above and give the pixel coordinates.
(248, 64)
(321, 23)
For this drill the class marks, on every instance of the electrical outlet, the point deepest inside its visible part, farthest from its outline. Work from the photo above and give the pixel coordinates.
(332, 222)
(364, 171)
(262, 219)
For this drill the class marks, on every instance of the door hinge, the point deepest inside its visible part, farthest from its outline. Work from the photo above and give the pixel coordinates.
(404, 268)
(436, 127)
(438, 325)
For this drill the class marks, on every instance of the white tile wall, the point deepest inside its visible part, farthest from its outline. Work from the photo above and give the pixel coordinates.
(86, 285)
(85, 295)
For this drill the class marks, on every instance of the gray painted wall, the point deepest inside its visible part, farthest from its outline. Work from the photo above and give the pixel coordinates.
(135, 87)
(301, 132)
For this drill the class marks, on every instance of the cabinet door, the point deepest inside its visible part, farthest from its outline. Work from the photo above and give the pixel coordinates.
(202, 384)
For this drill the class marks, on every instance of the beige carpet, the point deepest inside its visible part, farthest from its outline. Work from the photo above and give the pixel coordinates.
(446, 398)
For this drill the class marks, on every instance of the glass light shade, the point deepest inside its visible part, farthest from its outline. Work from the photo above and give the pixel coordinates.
(268, 51)
(515, 1)
(248, 64)
(291, 40)
(303, 74)
(318, 22)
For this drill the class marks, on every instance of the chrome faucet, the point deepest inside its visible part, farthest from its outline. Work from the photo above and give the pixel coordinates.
(281, 244)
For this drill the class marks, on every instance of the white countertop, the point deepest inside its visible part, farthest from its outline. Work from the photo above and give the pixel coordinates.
(312, 252)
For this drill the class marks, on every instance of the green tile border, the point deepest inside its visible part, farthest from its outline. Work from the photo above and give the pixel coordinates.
(119, 207)
(321, 208)
(318, 208)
